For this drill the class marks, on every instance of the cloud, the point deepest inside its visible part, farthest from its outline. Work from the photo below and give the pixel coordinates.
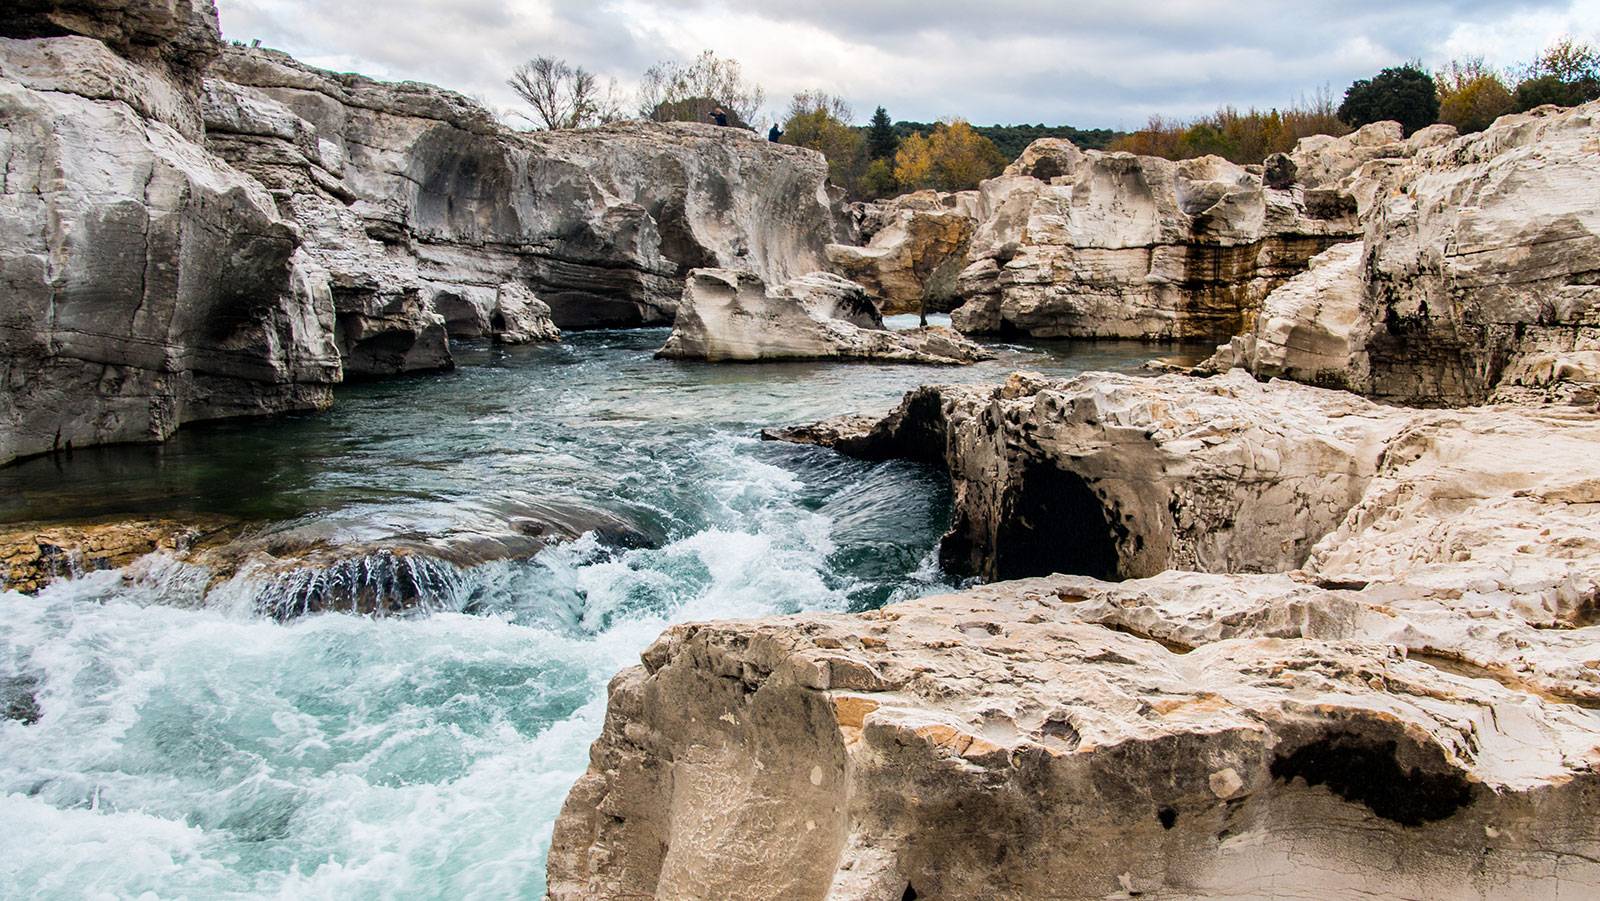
(1088, 63)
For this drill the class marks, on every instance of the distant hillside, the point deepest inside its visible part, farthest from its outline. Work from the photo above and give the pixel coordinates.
(1013, 139)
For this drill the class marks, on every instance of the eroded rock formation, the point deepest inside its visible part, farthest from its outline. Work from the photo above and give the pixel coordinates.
(146, 282)
(732, 316)
(1479, 277)
(1189, 735)
(194, 231)
(1124, 246)
(603, 225)
(1406, 711)
(911, 261)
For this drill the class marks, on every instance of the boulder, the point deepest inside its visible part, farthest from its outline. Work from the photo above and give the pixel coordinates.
(1306, 328)
(731, 316)
(911, 264)
(1048, 159)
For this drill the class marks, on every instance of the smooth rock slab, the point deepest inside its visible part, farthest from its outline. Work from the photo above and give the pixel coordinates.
(729, 316)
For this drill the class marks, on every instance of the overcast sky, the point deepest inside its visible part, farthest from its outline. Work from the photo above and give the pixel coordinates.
(1089, 63)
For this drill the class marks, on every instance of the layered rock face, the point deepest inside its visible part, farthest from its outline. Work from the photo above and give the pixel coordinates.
(193, 231)
(1479, 276)
(731, 316)
(1404, 712)
(147, 283)
(602, 225)
(1124, 246)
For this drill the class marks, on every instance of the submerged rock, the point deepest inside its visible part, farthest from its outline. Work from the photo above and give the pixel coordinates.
(729, 316)
(34, 555)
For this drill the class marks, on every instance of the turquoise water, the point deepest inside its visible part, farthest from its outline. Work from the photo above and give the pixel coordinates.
(187, 746)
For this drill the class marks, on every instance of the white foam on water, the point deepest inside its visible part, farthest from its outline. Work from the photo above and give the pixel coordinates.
(188, 751)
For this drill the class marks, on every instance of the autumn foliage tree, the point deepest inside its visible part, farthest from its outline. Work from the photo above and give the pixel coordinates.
(953, 157)
(1241, 137)
(1472, 95)
(822, 122)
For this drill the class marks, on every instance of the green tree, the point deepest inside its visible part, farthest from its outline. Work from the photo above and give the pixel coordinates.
(881, 139)
(821, 122)
(877, 180)
(1405, 94)
(1567, 73)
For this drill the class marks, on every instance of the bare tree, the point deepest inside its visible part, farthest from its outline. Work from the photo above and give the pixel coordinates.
(675, 91)
(565, 96)
(813, 102)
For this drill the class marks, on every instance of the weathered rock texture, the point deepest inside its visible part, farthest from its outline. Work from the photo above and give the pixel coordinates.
(912, 261)
(1249, 737)
(1122, 246)
(1408, 712)
(1479, 278)
(731, 316)
(1119, 477)
(145, 282)
(603, 225)
(193, 231)
(1306, 328)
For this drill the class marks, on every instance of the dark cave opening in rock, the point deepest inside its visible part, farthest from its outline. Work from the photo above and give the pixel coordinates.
(1365, 771)
(1054, 523)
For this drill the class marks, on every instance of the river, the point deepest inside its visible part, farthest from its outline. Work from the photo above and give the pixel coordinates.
(205, 750)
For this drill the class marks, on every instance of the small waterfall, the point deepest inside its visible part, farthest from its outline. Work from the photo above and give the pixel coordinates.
(378, 584)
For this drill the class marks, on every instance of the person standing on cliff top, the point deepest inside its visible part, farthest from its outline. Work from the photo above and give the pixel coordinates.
(776, 134)
(719, 117)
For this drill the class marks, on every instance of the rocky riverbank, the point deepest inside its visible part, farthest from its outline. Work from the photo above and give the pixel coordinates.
(1268, 636)
(194, 230)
